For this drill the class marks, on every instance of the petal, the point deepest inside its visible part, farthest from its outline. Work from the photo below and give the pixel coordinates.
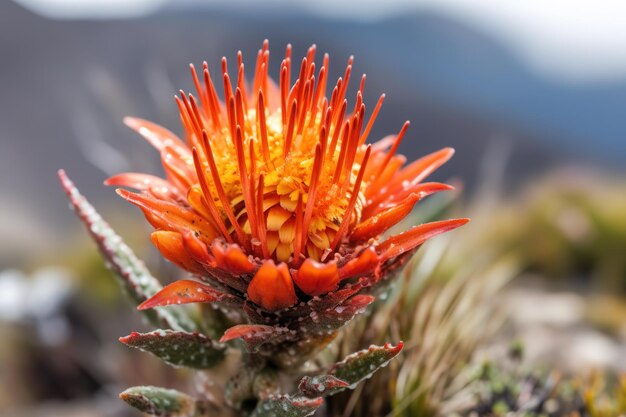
(276, 217)
(385, 201)
(316, 278)
(418, 170)
(198, 250)
(364, 264)
(171, 246)
(156, 135)
(178, 168)
(272, 287)
(231, 258)
(157, 187)
(397, 245)
(184, 292)
(170, 216)
(377, 224)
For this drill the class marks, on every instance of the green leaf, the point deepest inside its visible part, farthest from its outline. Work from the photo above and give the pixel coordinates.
(329, 321)
(177, 348)
(349, 372)
(257, 335)
(286, 406)
(321, 385)
(361, 365)
(131, 271)
(162, 402)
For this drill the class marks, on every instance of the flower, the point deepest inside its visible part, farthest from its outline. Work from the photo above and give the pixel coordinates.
(274, 198)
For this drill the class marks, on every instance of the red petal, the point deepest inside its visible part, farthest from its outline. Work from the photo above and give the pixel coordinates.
(397, 245)
(157, 187)
(377, 224)
(170, 216)
(423, 167)
(156, 135)
(364, 264)
(171, 246)
(198, 249)
(246, 331)
(184, 292)
(231, 258)
(385, 201)
(316, 278)
(272, 287)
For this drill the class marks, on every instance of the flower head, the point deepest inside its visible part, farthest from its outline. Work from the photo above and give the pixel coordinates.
(274, 195)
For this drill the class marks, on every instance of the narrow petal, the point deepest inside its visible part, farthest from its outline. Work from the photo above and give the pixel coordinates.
(364, 264)
(272, 287)
(156, 135)
(418, 170)
(384, 201)
(185, 292)
(377, 224)
(411, 239)
(157, 187)
(198, 249)
(316, 278)
(169, 216)
(171, 246)
(231, 258)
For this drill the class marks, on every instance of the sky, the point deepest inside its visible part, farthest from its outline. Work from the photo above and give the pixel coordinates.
(572, 41)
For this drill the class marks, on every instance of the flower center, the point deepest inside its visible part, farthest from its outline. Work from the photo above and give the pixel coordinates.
(280, 171)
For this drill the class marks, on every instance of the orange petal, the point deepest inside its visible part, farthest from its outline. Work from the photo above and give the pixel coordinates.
(377, 224)
(411, 239)
(231, 258)
(156, 186)
(421, 189)
(178, 168)
(385, 201)
(184, 292)
(156, 135)
(198, 249)
(418, 170)
(316, 278)
(276, 217)
(365, 263)
(272, 287)
(171, 246)
(169, 216)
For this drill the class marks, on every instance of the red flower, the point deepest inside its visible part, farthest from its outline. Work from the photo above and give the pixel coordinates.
(274, 197)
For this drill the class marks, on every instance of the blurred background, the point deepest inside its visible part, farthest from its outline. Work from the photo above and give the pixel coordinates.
(531, 94)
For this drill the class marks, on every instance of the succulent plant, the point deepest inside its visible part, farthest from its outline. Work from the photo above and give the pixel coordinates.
(277, 208)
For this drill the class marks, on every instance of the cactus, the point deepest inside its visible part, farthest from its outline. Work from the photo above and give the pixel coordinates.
(277, 209)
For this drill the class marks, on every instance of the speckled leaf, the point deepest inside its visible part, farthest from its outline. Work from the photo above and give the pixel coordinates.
(362, 365)
(286, 406)
(256, 335)
(190, 350)
(329, 321)
(131, 271)
(162, 402)
(321, 385)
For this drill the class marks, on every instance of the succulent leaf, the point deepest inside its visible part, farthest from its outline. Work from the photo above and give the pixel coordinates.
(256, 335)
(329, 321)
(177, 348)
(162, 402)
(321, 385)
(286, 406)
(131, 271)
(361, 365)
(186, 291)
(349, 372)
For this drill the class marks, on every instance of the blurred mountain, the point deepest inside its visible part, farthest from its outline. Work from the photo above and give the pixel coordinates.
(67, 84)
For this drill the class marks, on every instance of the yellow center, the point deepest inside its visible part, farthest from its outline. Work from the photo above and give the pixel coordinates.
(286, 181)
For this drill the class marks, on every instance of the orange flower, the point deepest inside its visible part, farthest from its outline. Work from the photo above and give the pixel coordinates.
(274, 193)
